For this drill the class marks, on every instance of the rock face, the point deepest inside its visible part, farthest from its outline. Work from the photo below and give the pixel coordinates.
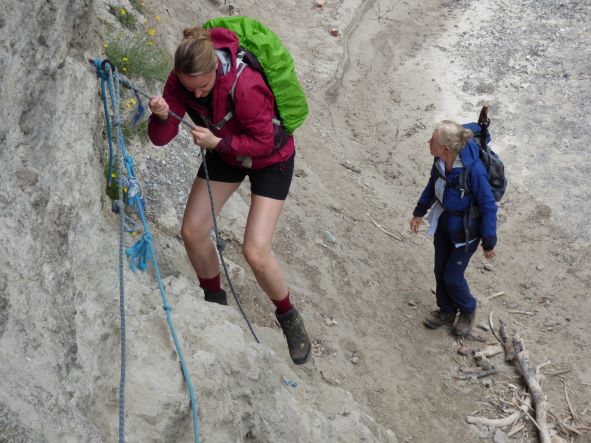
(59, 291)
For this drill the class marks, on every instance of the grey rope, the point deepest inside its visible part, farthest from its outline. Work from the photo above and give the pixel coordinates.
(117, 124)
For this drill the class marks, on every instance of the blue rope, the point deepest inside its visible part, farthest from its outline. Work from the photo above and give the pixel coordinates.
(117, 122)
(143, 250)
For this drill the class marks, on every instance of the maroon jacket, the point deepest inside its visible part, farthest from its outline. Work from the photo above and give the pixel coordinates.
(250, 133)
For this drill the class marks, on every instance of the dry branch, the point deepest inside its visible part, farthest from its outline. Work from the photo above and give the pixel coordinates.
(494, 422)
(507, 345)
(532, 381)
(384, 229)
(492, 327)
(498, 294)
(499, 422)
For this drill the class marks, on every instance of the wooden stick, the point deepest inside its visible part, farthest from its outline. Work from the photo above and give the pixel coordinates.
(492, 327)
(516, 311)
(507, 345)
(532, 381)
(498, 294)
(570, 406)
(500, 422)
(558, 372)
(383, 229)
(541, 365)
(479, 374)
(515, 430)
(494, 422)
(573, 430)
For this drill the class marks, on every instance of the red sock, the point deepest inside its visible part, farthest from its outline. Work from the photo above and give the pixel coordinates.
(210, 284)
(283, 305)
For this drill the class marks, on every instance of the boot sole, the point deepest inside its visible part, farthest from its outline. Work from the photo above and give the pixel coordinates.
(305, 358)
(435, 326)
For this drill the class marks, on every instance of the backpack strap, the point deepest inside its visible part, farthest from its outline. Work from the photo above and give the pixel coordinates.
(240, 65)
(462, 186)
(280, 134)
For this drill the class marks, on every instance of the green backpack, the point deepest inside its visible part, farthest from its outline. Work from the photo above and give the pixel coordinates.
(276, 65)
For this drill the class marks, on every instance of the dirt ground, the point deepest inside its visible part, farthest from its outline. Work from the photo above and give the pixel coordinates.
(361, 279)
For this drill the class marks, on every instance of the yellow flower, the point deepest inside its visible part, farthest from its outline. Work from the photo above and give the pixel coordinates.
(124, 59)
(105, 45)
(128, 106)
(132, 101)
(122, 11)
(157, 18)
(151, 32)
(124, 69)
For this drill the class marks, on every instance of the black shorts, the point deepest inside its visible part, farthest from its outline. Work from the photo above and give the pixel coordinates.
(272, 182)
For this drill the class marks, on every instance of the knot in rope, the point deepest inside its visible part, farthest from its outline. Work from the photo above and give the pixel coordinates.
(140, 253)
(134, 192)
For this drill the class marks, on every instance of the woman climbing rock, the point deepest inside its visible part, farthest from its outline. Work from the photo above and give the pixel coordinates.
(248, 144)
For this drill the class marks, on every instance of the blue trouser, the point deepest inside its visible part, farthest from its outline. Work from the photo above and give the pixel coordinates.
(452, 290)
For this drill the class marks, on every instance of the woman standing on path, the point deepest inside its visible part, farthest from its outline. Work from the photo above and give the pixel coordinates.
(450, 203)
(248, 144)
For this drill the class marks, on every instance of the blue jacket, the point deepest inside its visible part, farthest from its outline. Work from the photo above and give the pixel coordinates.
(483, 226)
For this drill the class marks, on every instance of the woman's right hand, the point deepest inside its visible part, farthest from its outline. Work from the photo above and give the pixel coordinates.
(159, 107)
(415, 223)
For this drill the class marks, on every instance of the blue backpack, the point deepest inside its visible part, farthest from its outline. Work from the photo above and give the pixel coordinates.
(490, 159)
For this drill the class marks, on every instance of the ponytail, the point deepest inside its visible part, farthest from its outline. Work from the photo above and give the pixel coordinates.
(195, 54)
(453, 135)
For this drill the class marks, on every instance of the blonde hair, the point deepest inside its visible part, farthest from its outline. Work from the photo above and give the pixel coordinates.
(453, 135)
(195, 54)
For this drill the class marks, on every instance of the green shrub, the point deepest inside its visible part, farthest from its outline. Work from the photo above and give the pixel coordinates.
(139, 56)
(139, 5)
(125, 17)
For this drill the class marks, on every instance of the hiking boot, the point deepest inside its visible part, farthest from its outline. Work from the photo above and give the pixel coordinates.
(439, 318)
(465, 323)
(294, 330)
(218, 297)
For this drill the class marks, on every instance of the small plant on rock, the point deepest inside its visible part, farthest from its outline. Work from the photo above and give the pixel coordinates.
(139, 55)
(125, 17)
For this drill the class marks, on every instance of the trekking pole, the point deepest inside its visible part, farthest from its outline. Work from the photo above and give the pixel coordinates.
(483, 122)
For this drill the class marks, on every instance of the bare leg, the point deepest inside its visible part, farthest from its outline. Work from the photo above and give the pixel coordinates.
(197, 224)
(260, 226)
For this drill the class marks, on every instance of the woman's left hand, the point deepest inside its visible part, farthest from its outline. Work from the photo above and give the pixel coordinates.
(204, 138)
(490, 254)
